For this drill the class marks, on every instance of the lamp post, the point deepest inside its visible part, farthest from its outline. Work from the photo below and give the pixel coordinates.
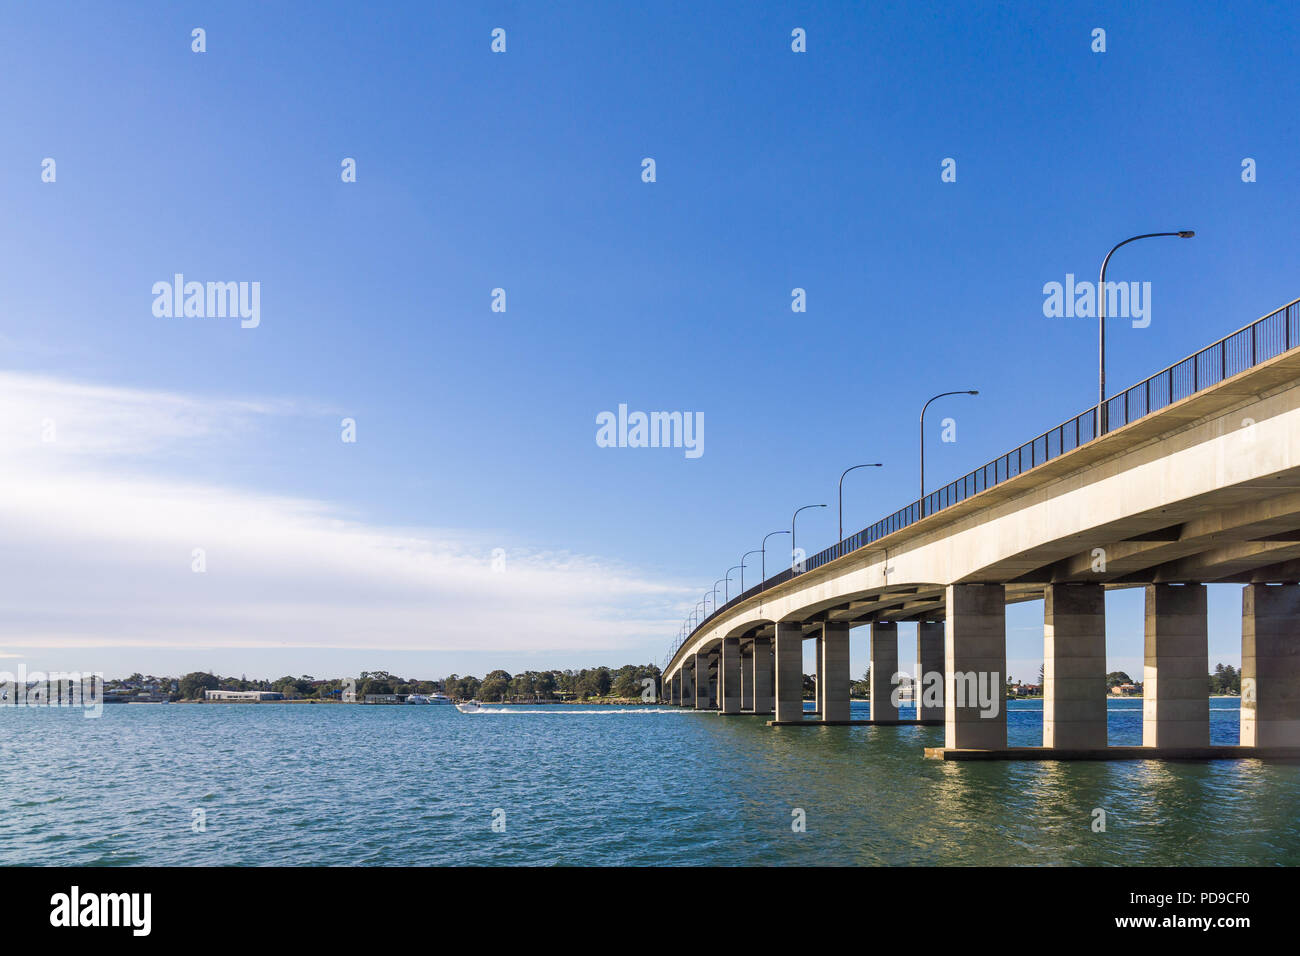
(742, 568)
(846, 471)
(1102, 415)
(969, 391)
(726, 594)
(793, 549)
(764, 553)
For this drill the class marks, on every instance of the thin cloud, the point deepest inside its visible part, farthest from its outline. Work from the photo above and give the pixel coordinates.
(100, 546)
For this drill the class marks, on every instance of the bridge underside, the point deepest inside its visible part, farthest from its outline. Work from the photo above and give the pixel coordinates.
(1206, 490)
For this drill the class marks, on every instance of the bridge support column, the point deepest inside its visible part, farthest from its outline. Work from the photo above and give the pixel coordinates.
(747, 679)
(713, 670)
(688, 685)
(701, 682)
(1074, 666)
(833, 680)
(1175, 688)
(929, 663)
(884, 665)
(789, 671)
(819, 684)
(1270, 666)
(763, 677)
(674, 688)
(975, 667)
(729, 676)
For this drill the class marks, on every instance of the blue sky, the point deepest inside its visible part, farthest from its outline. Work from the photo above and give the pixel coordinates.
(522, 170)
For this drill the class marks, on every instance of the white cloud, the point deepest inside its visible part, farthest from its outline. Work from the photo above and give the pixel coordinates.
(98, 542)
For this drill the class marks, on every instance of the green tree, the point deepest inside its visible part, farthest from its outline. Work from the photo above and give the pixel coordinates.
(495, 686)
(627, 682)
(594, 683)
(193, 685)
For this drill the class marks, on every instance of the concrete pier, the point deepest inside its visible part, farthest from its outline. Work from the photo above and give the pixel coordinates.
(789, 671)
(729, 676)
(975, 667)
(747, 679)
(884, 665)
(1270, 665)
(701, 682)
(833, 681)
(929, 660)
(1175, 691)
(818, 684)
(1074, 666)
(763, 676)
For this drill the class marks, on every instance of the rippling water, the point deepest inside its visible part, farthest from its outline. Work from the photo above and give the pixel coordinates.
(335, 784)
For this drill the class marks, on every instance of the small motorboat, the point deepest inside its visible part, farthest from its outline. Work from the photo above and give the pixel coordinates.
(469, 707)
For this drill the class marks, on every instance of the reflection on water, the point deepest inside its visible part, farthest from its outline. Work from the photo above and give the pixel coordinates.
(393, 785)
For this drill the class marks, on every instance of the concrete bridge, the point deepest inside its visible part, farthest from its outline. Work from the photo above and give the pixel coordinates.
(1196, 479)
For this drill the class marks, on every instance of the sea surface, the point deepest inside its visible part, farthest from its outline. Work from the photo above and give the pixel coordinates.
(570, 785)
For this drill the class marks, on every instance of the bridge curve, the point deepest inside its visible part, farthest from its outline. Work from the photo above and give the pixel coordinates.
(1196, 480)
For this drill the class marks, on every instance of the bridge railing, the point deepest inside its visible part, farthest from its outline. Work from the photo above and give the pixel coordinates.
(1233, 354)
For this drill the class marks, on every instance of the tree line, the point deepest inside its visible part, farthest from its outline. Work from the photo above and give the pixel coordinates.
(627, 682)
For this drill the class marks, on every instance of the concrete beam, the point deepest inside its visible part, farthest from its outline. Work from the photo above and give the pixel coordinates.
(884, 665)
(833, 680)
(929, 661)
(1175, 688)
(1074, 666)
(1270, 666)
(747, 678)
(764, 676)
(819, 684)
(702, 696)
(789, 671)
(729, 676)
(975, 667)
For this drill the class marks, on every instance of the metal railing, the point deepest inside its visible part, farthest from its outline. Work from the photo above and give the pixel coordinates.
(1264, 339)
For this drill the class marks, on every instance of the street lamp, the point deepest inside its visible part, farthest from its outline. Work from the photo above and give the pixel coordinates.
(1102, 415)
(970, 391)
(715, 593)
(742, 568)
(793, 549)
(726, 595)
(846, 471)
(764, 552)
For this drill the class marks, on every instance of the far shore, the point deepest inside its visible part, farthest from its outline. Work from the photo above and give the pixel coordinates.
(593, 702)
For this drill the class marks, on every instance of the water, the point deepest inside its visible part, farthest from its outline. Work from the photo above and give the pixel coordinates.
(322, 784)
